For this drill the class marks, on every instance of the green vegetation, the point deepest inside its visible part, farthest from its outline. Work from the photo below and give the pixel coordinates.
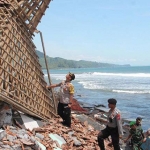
(57, 62)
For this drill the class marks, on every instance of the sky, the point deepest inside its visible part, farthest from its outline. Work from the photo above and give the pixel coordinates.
(108, 31)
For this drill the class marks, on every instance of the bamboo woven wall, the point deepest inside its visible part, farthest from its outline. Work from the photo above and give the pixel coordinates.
(22, 81)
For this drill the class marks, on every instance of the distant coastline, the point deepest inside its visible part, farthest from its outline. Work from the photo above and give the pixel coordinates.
(60, 63)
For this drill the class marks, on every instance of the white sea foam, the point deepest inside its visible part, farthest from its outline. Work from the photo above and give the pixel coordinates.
(123, 74)
(97, 74)
(131, 92)
(90, 85)
(57, 76)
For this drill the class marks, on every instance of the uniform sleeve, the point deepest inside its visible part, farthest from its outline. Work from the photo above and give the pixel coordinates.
(119, 124)
(71, 89)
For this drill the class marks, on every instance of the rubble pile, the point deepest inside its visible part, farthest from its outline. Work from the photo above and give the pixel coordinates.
(52, 136)
(76, 107)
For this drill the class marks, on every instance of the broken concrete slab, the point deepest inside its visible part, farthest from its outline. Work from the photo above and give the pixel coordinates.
(29, 123)
(76, 141)
(11, 138)
(59, 139)
(40, 136)
(90, 121)
(2, 134)
(40, 146)
(5, 114)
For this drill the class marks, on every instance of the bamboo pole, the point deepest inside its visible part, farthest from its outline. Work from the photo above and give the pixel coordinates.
(47, 68)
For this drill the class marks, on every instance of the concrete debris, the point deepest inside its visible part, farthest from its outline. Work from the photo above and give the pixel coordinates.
(5, 114)
(2, 134)
(76, 106)
(29, 123)
(53, 136)
(59, 139)
(29, 133)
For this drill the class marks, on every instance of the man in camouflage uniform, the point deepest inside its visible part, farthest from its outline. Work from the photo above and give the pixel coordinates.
(138, 123)
(113, 128)
(136, 132)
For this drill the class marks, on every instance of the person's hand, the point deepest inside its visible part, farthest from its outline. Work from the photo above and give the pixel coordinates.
(125, 141)
(69, 105)
(47, 87)
(144, 140)
(120, 136)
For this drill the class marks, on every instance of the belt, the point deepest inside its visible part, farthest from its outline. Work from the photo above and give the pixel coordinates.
(111, 127)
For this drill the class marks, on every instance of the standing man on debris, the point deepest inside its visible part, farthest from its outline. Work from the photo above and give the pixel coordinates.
(113, 128)
(66, 95)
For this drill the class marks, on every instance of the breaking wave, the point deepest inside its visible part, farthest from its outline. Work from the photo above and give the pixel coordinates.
(123, 74)
(131, 92)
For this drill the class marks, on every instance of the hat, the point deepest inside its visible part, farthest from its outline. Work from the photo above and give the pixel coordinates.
(112, 101)
(138, 118)
(72, 76)
(132, 123)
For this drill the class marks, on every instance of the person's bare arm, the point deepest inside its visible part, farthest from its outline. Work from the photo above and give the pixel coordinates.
(127, 138)
(53, 86)
(144, 137)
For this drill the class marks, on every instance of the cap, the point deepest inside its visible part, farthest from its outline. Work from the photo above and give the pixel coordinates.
(72, 76)
(138, 118)
(112, 101)
(132, 123)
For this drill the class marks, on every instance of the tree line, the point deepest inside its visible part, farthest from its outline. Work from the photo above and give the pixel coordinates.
(57, 63)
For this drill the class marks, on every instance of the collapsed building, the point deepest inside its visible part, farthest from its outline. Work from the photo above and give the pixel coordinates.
(22, 83)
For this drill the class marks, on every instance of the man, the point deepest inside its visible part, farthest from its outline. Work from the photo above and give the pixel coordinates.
(113, 128)
(138, 121)
(136, 132)
(66, 95)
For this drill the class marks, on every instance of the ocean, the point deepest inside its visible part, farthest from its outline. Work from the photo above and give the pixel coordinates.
(130, 86)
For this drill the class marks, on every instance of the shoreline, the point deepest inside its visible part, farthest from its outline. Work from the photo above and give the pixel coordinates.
(95, 86)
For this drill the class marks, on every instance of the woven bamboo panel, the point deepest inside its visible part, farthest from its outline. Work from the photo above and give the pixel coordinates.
(30, 11)
(22, 81)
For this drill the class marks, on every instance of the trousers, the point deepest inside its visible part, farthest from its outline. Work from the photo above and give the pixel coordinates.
(65, 113)
(113, 132)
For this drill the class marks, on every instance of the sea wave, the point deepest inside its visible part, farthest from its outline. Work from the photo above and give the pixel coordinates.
(90, 74)
(123, 74)
(90, 85)
(131, 92)
(56, 76)
(110, 88)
